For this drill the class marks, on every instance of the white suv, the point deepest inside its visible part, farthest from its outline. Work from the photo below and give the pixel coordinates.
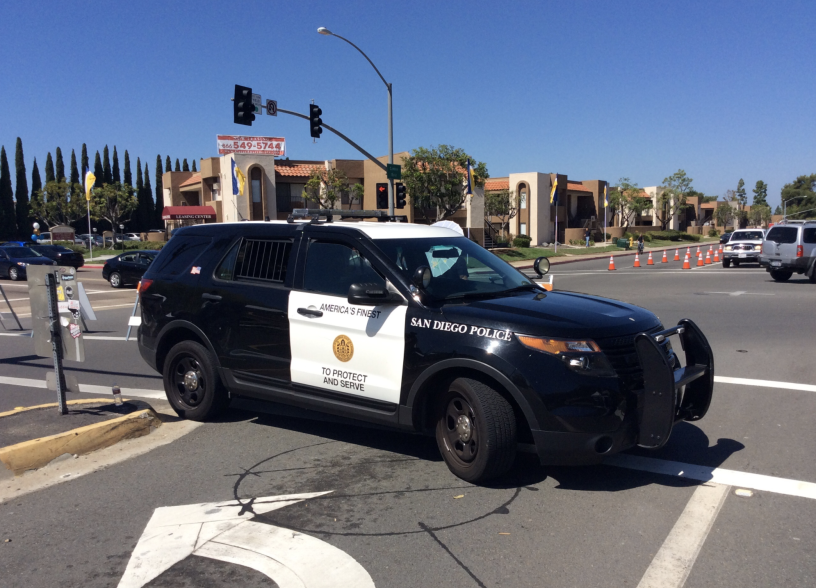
(789, 248)
(744, 245)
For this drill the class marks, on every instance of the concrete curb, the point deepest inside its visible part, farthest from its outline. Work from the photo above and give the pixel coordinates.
(595, 257)
(19, 409)
(94, 265)
(34, 454)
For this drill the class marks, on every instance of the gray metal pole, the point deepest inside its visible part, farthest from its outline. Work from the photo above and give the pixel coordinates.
(390, 154)
(56, 341)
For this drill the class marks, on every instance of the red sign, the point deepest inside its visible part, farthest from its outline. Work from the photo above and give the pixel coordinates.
(188, 213)
(251, 145)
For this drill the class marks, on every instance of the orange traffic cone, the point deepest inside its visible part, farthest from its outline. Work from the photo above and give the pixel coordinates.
(611, 263)
(686, 264)
(698, 253)
(650, 260)
(688, 250)
(637, 260)
(700, 261)
(676, 255)
(708, 258)
(716, 256)
(665, 258)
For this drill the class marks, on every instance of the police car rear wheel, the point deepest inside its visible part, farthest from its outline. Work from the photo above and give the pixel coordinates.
(475, 431)
(191, 383)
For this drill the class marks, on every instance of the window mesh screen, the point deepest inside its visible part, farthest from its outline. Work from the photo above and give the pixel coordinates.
(263, 260)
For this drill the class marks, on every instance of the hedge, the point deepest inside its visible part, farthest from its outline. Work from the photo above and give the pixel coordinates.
(522, 241)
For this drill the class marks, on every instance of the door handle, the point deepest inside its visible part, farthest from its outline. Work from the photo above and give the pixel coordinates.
(214, 297)
(310, 312)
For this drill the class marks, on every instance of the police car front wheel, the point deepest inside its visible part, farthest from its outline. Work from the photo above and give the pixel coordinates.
(191, 383)
(475, 430)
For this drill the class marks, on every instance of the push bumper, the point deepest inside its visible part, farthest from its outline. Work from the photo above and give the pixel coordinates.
(746, 255)
(669, 395)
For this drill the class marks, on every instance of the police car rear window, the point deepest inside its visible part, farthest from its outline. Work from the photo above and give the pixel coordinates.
(179, 254)
(257, 260)
(782, 235)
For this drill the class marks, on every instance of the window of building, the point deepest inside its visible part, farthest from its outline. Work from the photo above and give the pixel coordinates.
(523, 197)
(255, 175)
(283, 196)
(297, 197)
(522, 228)
(331, 268)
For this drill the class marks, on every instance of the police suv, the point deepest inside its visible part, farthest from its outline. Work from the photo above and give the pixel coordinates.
(418, 328)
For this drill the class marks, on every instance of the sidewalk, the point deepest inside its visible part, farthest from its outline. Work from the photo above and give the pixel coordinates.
(567, 258)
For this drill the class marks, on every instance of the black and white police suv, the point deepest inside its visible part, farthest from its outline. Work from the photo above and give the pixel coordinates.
(418, 328)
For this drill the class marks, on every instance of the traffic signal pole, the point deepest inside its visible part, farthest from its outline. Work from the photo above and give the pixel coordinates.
(390, 151)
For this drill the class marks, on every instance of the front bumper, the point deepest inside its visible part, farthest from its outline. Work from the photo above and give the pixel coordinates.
(741, 255)
(669, 395)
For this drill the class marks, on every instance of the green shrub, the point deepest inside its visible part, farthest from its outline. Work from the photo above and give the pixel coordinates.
(522, 241)
(627, 235)
(647, 237)
(713, 233)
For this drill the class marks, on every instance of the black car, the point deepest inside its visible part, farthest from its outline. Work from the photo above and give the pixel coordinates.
(416, 328)
(14, 260)
(127, 268)
(61, 254)
(725, 238)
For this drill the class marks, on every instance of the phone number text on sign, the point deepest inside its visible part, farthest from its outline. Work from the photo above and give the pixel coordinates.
(251, 145)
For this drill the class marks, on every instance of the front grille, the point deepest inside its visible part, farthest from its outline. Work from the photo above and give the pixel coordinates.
(622, 355)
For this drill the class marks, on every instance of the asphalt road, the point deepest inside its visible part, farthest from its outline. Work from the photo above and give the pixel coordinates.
(394, 507)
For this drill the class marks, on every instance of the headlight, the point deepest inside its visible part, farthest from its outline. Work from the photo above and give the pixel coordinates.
(728, 248)
(759, 248)
(580, 355)
(21, 263)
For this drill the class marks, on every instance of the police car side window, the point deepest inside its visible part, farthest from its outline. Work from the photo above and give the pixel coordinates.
(180, 253)
(256, 260)
(331, 268)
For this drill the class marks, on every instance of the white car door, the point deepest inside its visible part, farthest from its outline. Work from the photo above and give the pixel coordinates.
(337, 346)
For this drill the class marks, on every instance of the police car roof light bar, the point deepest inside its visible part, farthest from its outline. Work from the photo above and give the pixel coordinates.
(314, 215)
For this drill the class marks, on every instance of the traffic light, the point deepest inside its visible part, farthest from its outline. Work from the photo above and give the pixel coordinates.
(315, 122)
(382, 195)
(399, 201)
(243, 111)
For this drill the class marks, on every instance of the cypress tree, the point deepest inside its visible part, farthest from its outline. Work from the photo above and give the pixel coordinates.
(100, 177)
(167, 166)
(60, 166)
(140, 207)
(74, 168)
(21, 191)
(150, 213)
(128, 175)
(36, 180)
(178, 167)
(8, 217)
(116, 175)
(185, 166)
(106, 166)
(49, 169)
(159, 193)
(194, 166)
(84, 161)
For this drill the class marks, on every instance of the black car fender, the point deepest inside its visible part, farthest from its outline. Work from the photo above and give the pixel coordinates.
(411, 414)
(177, 331)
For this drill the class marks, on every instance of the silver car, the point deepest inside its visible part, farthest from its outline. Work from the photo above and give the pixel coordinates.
(790, 248)
(745, 245)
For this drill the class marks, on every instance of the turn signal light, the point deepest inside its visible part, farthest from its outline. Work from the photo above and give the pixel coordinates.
(800, 251)
(556, 346)
(143, 285)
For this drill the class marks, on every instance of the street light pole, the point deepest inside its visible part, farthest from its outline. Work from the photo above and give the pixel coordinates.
(785, 207)
(325, 31)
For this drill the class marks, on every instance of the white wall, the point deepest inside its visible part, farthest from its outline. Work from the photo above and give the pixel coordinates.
(236, 208)
(539, 227)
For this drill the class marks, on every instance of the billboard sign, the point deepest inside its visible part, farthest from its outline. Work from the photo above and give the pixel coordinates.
(251, 145)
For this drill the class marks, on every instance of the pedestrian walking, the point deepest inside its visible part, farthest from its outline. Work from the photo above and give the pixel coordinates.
(587, 235)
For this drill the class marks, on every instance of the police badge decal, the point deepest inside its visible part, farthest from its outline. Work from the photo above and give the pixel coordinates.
(343, 348)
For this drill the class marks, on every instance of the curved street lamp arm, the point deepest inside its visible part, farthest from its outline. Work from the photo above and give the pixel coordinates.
(387, 85)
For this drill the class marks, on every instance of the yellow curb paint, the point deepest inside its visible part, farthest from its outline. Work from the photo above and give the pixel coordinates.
(34, 454)
(19, 409)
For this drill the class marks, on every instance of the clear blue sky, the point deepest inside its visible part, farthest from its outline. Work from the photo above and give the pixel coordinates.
(724, 90)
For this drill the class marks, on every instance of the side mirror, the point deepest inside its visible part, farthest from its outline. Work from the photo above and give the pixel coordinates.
(422, 277)
(371, 294)
(541, 266)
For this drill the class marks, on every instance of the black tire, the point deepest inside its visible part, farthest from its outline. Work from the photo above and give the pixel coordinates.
(726, 263)
(781, 275)
(115, 280)
(199, 397)
(14, 274)
(482, 445)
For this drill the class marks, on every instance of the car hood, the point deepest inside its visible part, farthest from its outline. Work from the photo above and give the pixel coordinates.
(33, 260)
(751, 241)
(555, 314)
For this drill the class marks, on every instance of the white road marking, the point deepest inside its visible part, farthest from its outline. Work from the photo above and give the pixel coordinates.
(765, 383)
(716, 475)
(627, 271)
(675, 558)
(85, 388)
(95, 309)
(224, 531)
(92, 337)
(741, 292)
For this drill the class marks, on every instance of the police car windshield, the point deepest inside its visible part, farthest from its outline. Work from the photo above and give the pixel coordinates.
(459, 267)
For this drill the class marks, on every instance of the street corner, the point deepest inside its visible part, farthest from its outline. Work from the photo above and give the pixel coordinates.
(33, 437)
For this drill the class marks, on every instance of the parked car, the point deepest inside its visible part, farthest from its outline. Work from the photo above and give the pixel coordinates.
(745, 245)
(14, 260)
(61, 254)
(127, 268)
(416, 328)
(132, 237)
(86, 238)
(790, 248)
(725, 237)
